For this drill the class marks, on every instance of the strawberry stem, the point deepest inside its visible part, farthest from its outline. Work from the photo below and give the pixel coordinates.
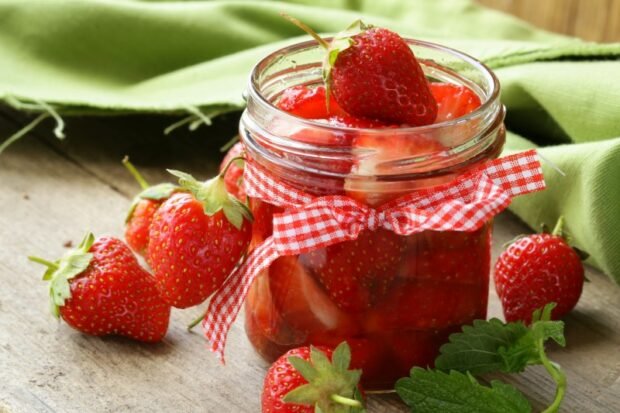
(134, 172)
(345, 401)
(236, 158)
(559, 228)
(306, 29)
(197, 320)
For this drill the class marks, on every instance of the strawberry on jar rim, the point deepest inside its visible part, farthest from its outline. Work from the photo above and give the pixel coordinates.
(373, 74)
(538, 269)
(142, 209)
(100, 289)
(312, 379)
(196, 239)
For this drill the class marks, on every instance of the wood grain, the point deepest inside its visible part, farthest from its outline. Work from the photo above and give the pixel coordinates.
(594, 20)
(52, 192)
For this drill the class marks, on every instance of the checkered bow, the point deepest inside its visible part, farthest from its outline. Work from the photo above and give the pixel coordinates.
(310, 222)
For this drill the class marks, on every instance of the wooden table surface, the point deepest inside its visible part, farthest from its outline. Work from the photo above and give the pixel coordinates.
(51, 192)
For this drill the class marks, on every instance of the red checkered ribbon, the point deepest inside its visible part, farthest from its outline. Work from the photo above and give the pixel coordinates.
(310, 222)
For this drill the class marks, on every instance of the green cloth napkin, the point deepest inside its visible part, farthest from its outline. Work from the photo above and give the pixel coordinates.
(193, 57)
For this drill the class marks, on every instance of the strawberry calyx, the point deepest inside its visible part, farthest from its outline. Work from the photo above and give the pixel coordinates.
(339, 43)
(332, 387)
(157, 192)
(214, 196)
(59, 272)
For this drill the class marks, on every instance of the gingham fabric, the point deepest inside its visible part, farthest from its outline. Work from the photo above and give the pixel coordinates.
(310, 222)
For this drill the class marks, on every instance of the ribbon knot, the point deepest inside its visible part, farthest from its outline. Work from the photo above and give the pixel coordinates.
(373, 219)
(309, 222)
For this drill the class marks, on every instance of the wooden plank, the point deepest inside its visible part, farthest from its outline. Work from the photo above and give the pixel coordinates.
(594, 20)
(612, 32)
(80, 184)
(591, 19)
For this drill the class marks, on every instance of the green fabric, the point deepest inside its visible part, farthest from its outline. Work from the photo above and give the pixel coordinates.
(113, 56)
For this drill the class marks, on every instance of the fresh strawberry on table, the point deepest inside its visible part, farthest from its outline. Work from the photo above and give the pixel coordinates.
(234, 175)
(305, 380)
(100, 289)
(143, 207)
(357, 273)
(538, 269)
(373, 74)
(196, 239)
(453, 101)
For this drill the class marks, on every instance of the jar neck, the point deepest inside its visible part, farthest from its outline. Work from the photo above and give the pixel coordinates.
(313, 155)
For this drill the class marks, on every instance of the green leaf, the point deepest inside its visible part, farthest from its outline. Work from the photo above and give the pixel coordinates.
(306, 394)
(158, 192)
(320, 360)
(477, 348)
(305, 368)
(428, 391)
(330, 388)
(215, 198)
(341, 357)
(59, 272)
(544, 330)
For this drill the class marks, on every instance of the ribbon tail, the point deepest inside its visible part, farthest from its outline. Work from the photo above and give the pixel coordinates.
(228, 300)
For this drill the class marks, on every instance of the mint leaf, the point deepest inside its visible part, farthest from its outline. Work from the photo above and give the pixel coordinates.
(487, 346)
(429, 391)
(494, 346)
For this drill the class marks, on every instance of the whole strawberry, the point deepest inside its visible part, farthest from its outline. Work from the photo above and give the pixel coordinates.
(304, 380)
(196, 239)
(100, 289)
(234, 174)
(373, 74)
(536, 270)
(142, 209)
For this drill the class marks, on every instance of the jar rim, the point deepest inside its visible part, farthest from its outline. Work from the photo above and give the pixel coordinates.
(490, 98)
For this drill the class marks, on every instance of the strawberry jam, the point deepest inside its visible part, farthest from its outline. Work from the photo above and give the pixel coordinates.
(395, 299)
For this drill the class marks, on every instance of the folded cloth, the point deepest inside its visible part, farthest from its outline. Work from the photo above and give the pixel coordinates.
(193, 57)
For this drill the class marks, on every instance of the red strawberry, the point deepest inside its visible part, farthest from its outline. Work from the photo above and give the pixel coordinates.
(234, 175)
(308, 103)
(536, 270)
(196, 239)
(373, 74)
(100, 289)
(302, 303)
(427, 304)
(142, 209)
(268, 333)
(379, 154)
(304, 380)
(461, 257)
(357, 273)
(453, 101)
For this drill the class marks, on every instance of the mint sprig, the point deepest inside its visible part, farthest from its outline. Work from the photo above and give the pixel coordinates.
(487, 347)
(431, 391)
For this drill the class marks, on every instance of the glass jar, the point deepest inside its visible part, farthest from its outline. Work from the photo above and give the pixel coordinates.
(394, 299)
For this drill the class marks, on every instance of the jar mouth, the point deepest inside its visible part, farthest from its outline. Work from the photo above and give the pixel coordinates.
(490, 98)
(287, 142)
